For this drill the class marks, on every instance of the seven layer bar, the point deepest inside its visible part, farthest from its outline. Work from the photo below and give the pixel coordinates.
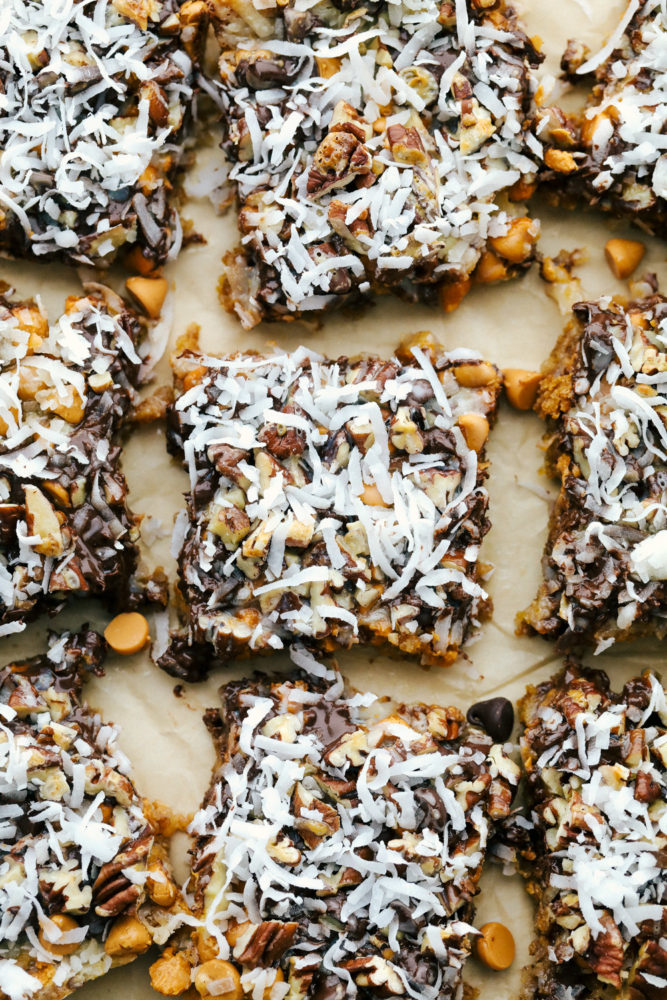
(604, 397)
(84, 877)
(615, 158)
(96, 101)
(369, 146)
(596, 765)
(334, 501)
(65, 390)
(338, 849)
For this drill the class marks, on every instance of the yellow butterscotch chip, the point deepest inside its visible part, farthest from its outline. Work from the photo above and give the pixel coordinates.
(128, 936)
(170, 975)
(371, 496)
(521, 387)
(64, 924)
(517, 244)
(495, 946)
(149, 293)
(218, 978)
(623, 256)
(472, 376)
(127, 633)
(475, 429)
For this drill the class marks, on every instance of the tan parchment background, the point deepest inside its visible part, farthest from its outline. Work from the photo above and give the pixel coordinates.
(513, 325)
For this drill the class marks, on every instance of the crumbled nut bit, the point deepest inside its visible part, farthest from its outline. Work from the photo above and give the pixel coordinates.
(134, 76)
(408, 222)
(76, 852)
(421, 771)
(605, 560)
(345, 566)
(596, 856)
(560, 160)
(64, 523)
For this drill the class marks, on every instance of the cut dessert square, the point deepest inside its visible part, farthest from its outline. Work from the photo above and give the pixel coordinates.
(340, 501)
(84, 875)
(604, 397)
(65, 390)
(368, 147)
(96, 101)
(618, 162)
(339, 848)
(596, 765)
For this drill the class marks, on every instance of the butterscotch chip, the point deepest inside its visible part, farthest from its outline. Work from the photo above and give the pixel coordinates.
(342, 828)
(149, 293)
(49, 938)
(623, 256)
(320, 529)
(452, 294)
(170, 975)
(560, 160)
(495, 946)
(218, 978)
(521, 387)
(128, 936)
(518, 243)
(127, 633)
(490, 269)
(475, 429)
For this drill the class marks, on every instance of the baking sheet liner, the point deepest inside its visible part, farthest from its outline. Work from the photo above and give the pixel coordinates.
(513, 325)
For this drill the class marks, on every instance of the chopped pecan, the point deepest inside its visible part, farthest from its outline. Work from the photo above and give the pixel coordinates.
(339, 158)
(647, 789)
(281, 439)
(605, 955)
(406, 145)
(312, 828)
(265, 944)
(376, 973)
(226, 459)
(113, 893)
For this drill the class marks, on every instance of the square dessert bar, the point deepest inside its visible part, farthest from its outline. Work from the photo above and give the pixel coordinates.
(65, 389)
(84, 876)
(596, 765)
(339, 849)
(332, 501)
(96, 102)
(604, 397)
(368, 147)
(618, 162)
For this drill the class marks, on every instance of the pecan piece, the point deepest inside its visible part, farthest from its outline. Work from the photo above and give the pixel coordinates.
(647, 789)
(113, 893)
(281, 439)
(264, 944)
(341, 156)
(406, 145)
(605, 955)
(312, 828)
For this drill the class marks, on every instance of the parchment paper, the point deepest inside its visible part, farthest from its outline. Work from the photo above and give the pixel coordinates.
(514, 324)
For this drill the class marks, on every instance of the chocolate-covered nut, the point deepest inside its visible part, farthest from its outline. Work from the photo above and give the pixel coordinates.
(495, 715)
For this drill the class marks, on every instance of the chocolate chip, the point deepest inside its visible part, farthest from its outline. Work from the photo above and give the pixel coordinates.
(495, 715)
